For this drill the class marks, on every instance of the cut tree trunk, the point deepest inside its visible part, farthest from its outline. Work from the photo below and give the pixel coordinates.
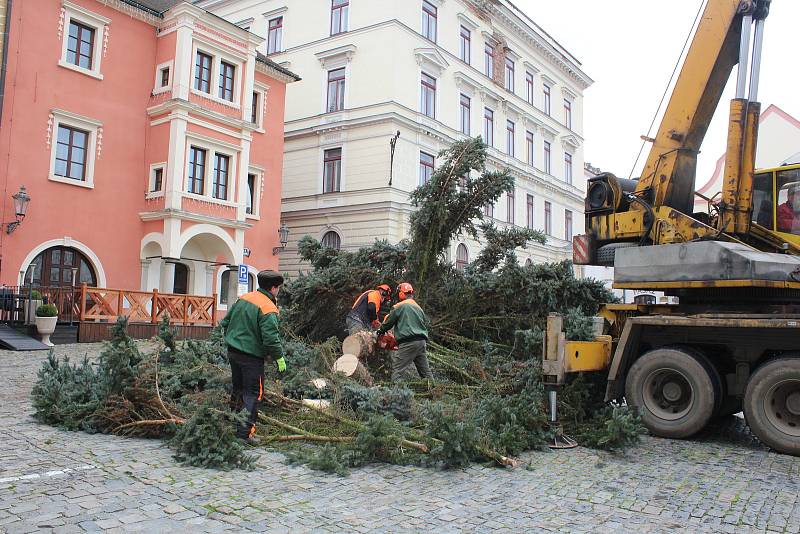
(349, 365)
(361, 344)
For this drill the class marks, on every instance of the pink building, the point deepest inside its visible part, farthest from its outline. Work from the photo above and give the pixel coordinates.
(149, 137)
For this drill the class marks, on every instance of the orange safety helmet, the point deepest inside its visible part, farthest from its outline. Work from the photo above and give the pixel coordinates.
(404, 291)
(386, 288)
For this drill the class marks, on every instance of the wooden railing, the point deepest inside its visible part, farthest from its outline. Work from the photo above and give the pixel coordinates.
(105, 305)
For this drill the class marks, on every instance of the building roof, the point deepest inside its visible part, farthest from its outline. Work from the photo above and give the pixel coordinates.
(154, 7)
(261, 58)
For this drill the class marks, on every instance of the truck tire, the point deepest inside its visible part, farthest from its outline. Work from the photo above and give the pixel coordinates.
(675, 389)
(772, 404)
(606, 253)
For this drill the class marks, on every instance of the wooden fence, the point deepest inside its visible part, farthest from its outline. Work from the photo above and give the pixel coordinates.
(99, 304)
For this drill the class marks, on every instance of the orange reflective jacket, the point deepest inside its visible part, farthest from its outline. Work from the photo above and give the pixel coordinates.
(368, 304)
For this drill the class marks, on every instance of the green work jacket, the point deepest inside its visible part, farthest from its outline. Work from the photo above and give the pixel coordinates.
(251, 325)
(408, 320)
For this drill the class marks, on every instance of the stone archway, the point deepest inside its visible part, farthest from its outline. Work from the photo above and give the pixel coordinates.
(202, 253)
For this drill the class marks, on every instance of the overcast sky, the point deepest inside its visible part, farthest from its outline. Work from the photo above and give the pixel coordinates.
(629, 47)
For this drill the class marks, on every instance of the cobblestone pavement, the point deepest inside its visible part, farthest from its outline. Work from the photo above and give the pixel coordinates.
(52, 480)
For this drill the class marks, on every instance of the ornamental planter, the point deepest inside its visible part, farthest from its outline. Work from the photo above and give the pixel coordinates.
(46, 326)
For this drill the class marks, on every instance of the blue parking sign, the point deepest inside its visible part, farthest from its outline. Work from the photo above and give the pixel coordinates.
(243, 274)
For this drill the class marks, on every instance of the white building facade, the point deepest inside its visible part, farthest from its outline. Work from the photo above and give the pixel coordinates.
(435, 71)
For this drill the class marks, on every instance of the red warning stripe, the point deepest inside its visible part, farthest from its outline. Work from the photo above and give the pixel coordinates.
(580, 249)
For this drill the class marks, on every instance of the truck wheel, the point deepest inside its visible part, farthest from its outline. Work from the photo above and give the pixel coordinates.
(772, 404)
(675, 390)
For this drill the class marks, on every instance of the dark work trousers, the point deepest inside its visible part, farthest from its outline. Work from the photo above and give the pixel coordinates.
(356, 323)
(407, 354)
(247, 377)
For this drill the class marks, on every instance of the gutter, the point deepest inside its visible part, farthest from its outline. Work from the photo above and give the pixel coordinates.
(6, 32)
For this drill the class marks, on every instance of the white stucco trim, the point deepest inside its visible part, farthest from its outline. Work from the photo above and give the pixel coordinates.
(68, 242)
(153, 237)
(199, 229)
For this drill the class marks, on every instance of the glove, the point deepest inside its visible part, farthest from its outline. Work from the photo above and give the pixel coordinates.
(376, 324)
(281, 364)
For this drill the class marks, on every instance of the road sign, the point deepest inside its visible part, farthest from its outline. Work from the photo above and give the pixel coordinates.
(243, 274)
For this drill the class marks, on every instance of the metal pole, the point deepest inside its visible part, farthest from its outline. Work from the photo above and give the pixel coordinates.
(758, 43)
(744, 52)
(552, 397)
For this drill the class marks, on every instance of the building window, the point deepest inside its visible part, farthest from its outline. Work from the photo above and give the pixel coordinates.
(54, 267)
(156, 179)
(547, 157)
(165, 77)
(80, 45)
(529, 147)
(332, 172)
(462, 256)
(274, 35)
(529, 87)
(428, 96)
(488, 210)
(339, 16)
(568, 167)
(528, 262)
(331, 240)
(488, 57)
(510, 138)
(202, 72)
(465, 113)
(488, 126)
(336, 90)
(226, 73)
(429, 21)
(546, 93)
(426, 165)
(567, 113)
(251, 194)
(509, 75)
(568, 225)
(220, 184)
(72, 146)
(510, 212)
(548, 218)
(530, 212)
(254, 108)
(466, 45)
(197, 170)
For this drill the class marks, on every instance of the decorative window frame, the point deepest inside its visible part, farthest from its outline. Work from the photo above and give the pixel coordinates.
(157, 89)
(99, 23)
(330, 228)
(217, 56)
(436, 96)
(261, 112)
(341, 144)
(213, 147)
(335, 58)
(151, 179)
(258, 190)
(93, 148)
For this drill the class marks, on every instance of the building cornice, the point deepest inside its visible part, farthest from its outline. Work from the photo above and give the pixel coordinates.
(171, 213)
(178, 105)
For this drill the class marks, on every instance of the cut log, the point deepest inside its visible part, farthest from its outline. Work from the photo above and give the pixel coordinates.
(349, 365)
(319, 404)
(319, 383)
(362, 344)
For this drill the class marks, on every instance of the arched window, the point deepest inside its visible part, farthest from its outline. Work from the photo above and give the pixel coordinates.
(528, 262)
(225, 281)
(462, 256)
(331, 240)
(54, 267)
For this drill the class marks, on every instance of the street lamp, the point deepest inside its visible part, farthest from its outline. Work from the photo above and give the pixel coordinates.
(21, 199)
(283, 233)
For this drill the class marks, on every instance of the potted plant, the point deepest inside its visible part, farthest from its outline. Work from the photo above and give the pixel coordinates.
(46, 317)
(30, 305)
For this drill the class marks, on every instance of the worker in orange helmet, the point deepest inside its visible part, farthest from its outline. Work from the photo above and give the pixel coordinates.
(410, 326)
(365, 310)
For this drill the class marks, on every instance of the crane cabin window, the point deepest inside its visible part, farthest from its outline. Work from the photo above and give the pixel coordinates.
(787, 211)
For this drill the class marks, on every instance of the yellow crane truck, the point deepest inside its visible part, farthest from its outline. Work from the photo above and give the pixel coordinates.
(730, 341)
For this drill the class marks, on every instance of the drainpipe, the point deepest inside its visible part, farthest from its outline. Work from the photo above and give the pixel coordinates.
(6, 31)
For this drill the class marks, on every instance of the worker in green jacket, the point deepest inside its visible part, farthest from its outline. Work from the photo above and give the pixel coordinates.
(410, 326)
(251, 333)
